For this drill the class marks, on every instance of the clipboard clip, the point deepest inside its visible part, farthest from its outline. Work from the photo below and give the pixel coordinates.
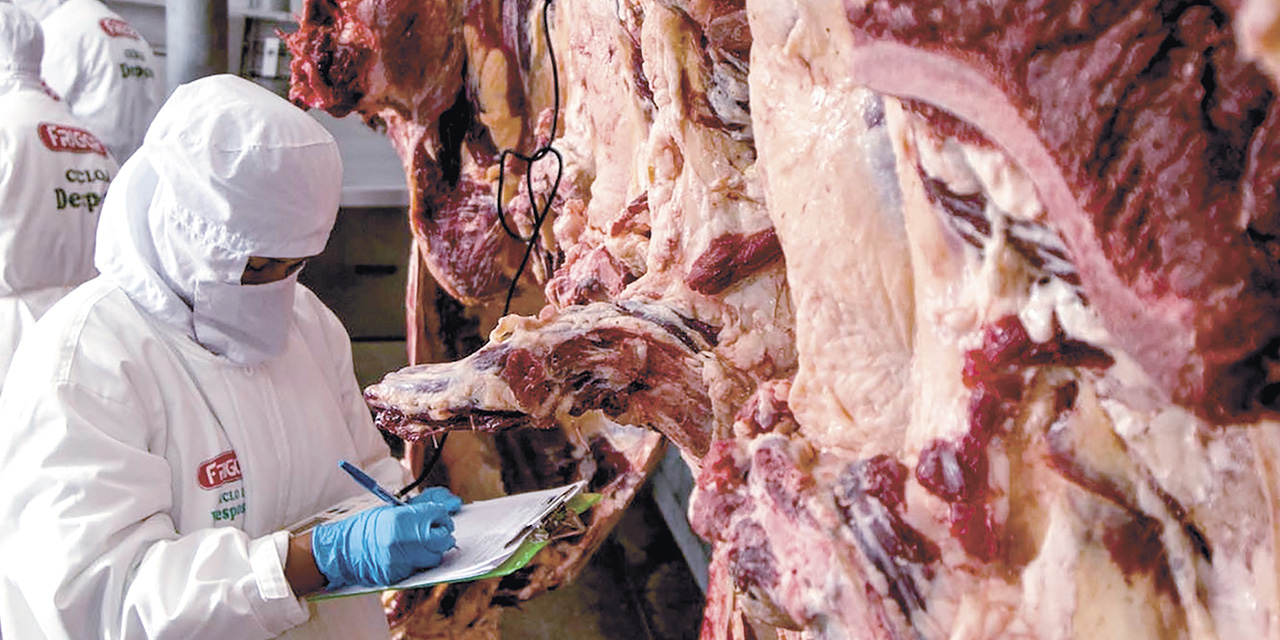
(561, 523)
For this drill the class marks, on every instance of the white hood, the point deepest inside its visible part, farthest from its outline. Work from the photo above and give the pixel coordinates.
(39, 8)
(227, 170)
(21, 47)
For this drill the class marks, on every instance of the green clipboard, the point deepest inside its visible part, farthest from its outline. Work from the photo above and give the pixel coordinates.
(535, 542)
(532, 544)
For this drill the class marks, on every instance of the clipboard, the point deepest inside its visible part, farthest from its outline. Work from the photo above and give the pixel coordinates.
(493, 546)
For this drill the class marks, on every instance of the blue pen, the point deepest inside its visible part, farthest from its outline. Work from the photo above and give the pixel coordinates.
(370, 484)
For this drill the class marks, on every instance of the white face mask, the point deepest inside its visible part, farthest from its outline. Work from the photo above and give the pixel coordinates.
(247, 324)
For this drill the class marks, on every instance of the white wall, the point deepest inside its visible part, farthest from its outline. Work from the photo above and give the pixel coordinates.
(147, 16)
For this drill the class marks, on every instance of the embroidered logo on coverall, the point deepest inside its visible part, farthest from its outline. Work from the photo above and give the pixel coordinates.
(59, 137)
(117, 28)
(219, 471)
(84, 187)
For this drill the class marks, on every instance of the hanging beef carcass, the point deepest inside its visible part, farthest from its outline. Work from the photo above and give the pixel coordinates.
(611, 232)
(977, 302)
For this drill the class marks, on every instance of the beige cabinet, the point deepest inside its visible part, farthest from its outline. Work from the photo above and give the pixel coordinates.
(361, 276)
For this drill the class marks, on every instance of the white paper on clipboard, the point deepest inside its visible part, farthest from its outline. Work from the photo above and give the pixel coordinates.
(487, 532)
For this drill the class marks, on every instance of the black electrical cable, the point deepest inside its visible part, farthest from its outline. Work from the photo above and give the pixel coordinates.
(539, 216)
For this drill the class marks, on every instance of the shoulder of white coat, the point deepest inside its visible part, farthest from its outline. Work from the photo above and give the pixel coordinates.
(35, 118)
(25, 106)
(90, 20)
(93, 333)
(22, 114)
(63, 21)
(77, 12)
(74, 30)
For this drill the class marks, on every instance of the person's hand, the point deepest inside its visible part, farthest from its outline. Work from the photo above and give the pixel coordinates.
(385, 545)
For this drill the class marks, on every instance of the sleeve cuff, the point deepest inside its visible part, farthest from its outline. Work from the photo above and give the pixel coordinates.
(276, 605)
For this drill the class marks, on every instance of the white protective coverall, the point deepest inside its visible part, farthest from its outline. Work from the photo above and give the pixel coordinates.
(145, 480)
(102, 67)
(53, 176)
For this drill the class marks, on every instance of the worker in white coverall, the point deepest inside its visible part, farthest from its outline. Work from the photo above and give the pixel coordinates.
(166, 421)
(53, 176)
(102, 68)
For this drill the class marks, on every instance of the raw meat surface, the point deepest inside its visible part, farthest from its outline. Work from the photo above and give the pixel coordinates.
(636, 364)
(1126, 119)
(963, 314)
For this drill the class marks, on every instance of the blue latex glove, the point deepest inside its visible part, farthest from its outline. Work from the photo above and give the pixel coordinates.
(385, 545)
(440, 496)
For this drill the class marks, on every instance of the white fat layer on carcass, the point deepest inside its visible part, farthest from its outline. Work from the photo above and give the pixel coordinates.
(966, 287)
(631, 249)
(1238, 520)
(1012, 201)
(958, 290)
(1245, 593)
(569, 227)
(1046, 607)
(1002, 180)
(466, 388)
(850, 393)
(1053, 300)
(998, 474)
(944, 159)
(1113, 605)
(633, 442)
(488, 74)
(603, 116)
(1263, 444)
(702, 179)
(1168, 446)
(1052, 303)
(1074, 588)
(1210, 472)
(589, 222)
(982, 285)
(703, 185)
(848, 260)
(1207, 471)
(1173, 445)
(1005, 283)
(983, 611)
(762, 325)
(1182, 561)
(728, 93)
(949, 307)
